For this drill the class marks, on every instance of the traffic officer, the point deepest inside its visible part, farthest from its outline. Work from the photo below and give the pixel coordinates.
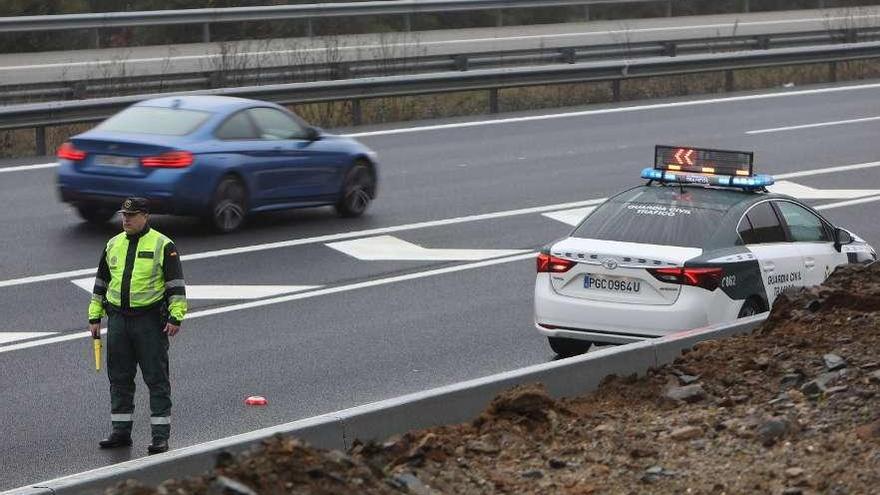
(140, 287)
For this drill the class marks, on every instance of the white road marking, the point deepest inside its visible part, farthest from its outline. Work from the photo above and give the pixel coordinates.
(387, 248)
(421, 44)
(399, 228)
(6, 337)
(21, 168)
(805, 192)
(222, 291)
(294, 297)
(847, 203)
(613, 110)
(321, 239)
(811, 126)
(827, 170)
(584, 113)
(571, 217)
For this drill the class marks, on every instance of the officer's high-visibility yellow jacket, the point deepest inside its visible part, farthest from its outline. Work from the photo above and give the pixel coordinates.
(138, 273)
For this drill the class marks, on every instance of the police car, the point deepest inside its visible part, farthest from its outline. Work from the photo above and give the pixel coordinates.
(701, 243)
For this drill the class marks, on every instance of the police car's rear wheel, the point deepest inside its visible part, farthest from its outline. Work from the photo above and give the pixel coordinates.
(749, 308)
(228, 208)
(568, 347)
(95, 214)
(357, 191)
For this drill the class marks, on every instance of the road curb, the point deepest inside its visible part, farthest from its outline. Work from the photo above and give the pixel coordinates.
(456, 403)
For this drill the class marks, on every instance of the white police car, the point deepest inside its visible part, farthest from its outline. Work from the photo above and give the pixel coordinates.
(701, 243)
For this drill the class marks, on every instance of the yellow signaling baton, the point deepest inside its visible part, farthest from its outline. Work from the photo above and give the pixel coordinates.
(97, 343)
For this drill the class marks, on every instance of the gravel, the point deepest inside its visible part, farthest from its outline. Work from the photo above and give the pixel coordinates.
(793, 408)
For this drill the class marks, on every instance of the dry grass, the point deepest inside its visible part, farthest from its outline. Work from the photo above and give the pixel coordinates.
(399, 109)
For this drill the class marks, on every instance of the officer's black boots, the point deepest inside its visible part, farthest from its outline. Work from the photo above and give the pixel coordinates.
(158, 446)
(115, 440)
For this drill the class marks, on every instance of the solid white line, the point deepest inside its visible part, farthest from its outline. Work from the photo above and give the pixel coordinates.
(811, 126)
(847, 203)
(424, 44)
(399, 228)
(827, 170)
(28, 167)
(603, 111)
(321, 239)
(7, 337)
(564, 115)
(293, 297)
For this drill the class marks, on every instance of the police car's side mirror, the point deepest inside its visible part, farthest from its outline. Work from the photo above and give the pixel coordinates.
(842, 238)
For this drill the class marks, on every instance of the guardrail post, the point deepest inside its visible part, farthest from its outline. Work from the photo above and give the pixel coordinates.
(586, 12)
(309, 30)
(206, 32)
(728, 80)
(493, 100)
(746, 6)
(407, 22)
(821, 4)
(40, 140)
(461, 62)
(669, 8)
(832, 71)
(499, 18)
(356, 113)
(97, 38)
(568, 55)
(615, 90)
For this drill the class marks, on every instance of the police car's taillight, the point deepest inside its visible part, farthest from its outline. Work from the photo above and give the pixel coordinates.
(172, 159)
(68, 151)
(707, 278)
(551, 264)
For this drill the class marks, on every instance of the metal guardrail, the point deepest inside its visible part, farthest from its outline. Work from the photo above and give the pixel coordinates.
(40, 115)
(208, 16)
(410, 64)
(451, 404)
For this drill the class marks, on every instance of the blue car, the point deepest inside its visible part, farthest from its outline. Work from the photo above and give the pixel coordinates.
(215, 157)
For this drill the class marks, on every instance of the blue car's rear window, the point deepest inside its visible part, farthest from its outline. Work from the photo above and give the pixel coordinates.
(155, 120)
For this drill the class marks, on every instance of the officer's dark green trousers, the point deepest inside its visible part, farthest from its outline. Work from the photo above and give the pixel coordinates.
(132, 341)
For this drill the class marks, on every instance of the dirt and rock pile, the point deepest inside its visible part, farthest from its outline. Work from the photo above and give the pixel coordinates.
(793, 408)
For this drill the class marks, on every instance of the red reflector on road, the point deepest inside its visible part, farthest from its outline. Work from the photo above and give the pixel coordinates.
(256, 400)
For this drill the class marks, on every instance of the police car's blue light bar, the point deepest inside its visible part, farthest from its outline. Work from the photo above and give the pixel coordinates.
(754, 182)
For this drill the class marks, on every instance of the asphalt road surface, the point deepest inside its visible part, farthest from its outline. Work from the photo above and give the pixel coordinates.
(76, 65)
(342, 331)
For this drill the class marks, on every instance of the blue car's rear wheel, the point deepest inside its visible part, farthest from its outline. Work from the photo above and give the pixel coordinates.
(94, 214)
(357, 191)
(229, 206)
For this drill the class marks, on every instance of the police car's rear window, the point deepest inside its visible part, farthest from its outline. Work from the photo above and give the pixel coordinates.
(674, 220)
(155, 120)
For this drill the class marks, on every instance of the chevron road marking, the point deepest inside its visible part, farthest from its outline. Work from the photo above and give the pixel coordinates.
(570, 217)
(387, 248)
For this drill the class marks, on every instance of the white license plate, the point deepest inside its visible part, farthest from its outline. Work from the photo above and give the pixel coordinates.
(625, 285)
(116, 161)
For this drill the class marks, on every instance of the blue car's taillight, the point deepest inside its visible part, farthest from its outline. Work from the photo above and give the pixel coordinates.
(171, 159)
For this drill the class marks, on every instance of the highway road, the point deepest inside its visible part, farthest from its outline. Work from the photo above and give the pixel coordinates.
(76, 65)
(337, 331)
